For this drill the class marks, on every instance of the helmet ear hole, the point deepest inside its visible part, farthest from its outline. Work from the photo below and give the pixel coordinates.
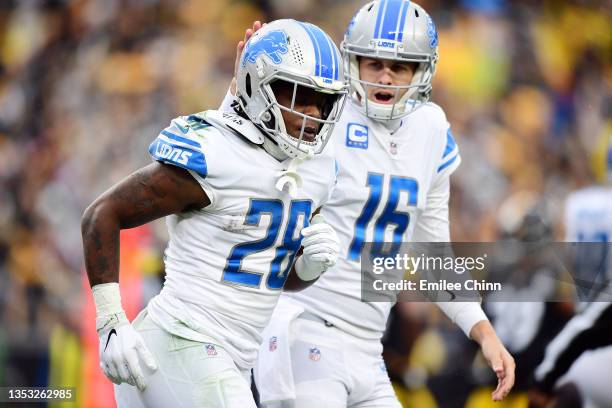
(247, 84)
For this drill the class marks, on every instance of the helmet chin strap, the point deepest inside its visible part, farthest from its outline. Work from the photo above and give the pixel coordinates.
(271, 147)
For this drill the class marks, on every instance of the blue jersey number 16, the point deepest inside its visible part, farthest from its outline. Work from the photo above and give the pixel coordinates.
(389, 216)
(233, 272)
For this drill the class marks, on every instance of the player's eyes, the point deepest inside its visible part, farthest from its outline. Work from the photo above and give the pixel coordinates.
(307, 96)
(399, 68)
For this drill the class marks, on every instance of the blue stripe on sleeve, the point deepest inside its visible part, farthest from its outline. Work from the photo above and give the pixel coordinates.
(450, 144)
(448, 163)
(180, 156)
(178, 138)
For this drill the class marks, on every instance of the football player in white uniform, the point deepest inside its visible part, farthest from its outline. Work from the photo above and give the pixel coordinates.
(567, 368)
(395, 153)
(239, 191)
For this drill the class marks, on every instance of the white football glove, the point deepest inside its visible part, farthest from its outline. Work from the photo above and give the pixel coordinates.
(321, 248)
(122, 349)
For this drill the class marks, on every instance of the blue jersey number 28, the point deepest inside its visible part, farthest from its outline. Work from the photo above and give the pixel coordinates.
(389, 216)
(233, 272)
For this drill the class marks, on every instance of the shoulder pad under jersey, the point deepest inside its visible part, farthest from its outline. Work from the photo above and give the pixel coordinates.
(236, 124)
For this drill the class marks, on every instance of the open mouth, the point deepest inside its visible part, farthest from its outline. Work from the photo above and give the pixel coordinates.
(310, 134)
(383, 96)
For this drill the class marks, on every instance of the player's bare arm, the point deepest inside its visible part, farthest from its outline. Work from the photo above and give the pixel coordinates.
(150, 193)
(498, 358)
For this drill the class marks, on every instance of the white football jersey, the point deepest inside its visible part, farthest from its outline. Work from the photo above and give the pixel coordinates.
(392, 187)
(588, 218)
(588, 215)
(226, 264)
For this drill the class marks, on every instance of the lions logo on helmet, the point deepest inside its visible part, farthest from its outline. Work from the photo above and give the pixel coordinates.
(398, 30)
(302, 55)
(432, 33)
(272, 45)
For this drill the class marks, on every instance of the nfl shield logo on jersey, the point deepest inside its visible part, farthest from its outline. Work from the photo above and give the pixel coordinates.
(314, 354)
(357, 136)
(272, 345)
(210, 349)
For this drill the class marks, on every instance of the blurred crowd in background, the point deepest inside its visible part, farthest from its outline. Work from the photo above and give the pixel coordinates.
(86, 85)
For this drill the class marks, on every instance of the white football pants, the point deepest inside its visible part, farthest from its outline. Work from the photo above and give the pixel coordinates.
(190, 374)
(306, 363)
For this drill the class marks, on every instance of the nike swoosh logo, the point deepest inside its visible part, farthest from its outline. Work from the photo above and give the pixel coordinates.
(113, 331)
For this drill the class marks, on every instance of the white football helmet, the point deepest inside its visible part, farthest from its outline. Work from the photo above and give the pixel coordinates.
(398, 30)
(302, 55)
